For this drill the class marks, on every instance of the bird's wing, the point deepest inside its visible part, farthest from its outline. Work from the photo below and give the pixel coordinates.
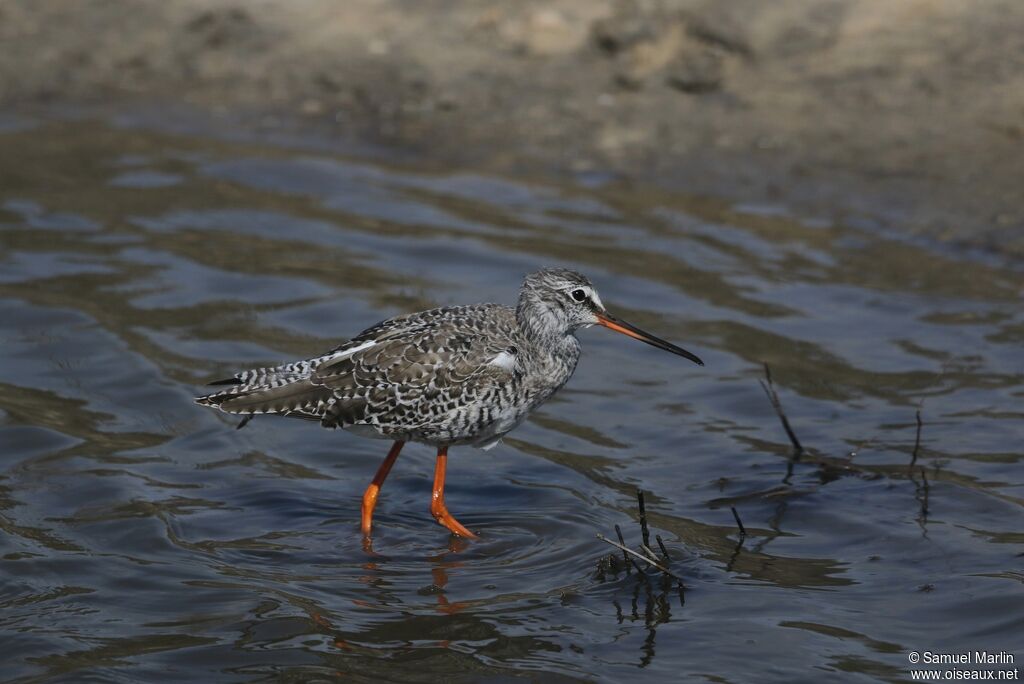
(386, 372)
(413, 369)
(295, 370)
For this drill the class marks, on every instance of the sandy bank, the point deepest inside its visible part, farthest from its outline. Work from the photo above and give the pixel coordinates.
(912, 109)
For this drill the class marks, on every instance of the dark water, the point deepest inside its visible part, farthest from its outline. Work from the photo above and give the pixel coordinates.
(143, 538)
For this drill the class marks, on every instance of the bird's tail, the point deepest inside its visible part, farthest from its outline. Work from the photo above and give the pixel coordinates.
(258, 392)
(285, 390)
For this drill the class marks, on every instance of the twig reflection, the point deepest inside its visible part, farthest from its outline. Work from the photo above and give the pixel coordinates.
(649, 589)
(657, 610)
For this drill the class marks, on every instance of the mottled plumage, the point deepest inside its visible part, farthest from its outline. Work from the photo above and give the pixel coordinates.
(448, 376)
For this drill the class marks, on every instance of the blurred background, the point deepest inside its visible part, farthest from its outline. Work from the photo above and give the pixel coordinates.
(910, 109)
(830, 188)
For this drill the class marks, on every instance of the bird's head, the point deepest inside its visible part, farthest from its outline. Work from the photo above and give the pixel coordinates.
(557, 302)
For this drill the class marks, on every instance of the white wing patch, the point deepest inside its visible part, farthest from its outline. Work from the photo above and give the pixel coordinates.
(503, 359)
(349, 352)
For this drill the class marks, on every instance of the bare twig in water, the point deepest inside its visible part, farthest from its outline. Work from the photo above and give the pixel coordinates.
(643, 517)
(739, 544)
(739, 523)
(645, 559)
(645, 532)
(917, 441)
(649, 552)
(664, 551)
(622, 545)
(646, 554)
(769, 389)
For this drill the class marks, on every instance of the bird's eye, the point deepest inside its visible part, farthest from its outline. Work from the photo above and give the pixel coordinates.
(578, 295)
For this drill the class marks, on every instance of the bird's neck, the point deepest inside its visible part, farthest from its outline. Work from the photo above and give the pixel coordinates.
(544, 329)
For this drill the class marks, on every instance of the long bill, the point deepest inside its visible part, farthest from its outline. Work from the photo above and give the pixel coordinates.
(618, 325)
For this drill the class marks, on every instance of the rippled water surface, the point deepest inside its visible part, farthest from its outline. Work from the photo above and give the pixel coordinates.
(144, 538)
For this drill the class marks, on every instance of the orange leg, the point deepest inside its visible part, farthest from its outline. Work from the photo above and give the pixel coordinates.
(373, 491)
(437, 507)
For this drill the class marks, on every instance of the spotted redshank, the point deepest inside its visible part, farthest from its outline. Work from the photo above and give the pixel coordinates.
(450, 376)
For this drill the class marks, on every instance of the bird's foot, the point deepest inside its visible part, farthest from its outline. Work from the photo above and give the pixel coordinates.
(443, 517)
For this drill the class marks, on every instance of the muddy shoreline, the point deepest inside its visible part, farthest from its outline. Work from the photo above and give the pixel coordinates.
(909, 114)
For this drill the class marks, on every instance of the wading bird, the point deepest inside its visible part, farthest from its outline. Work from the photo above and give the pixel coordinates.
(458, 375)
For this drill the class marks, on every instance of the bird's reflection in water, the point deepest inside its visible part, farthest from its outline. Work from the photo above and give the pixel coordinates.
(372, 566)
(375, 577)
(439, 573)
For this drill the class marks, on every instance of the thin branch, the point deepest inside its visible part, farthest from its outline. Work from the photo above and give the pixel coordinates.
(642, 557)
(773, 397)
(739, 543)
(739, 523)
(622, 545)
(664, 551)
(649, 552)
(643, 517)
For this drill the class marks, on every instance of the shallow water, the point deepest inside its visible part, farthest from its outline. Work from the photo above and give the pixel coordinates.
(144, 538)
